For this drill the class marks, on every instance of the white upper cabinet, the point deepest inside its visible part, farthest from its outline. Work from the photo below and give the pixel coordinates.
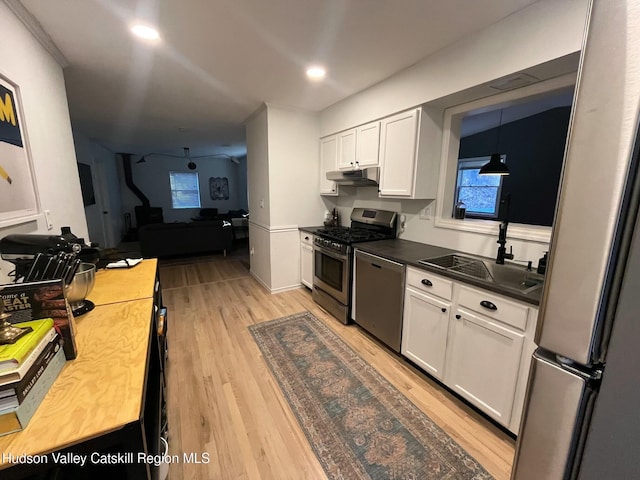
(368, 145)
(347, 150)
(359, 147)
(409, 154)
(398, 154)
(406, 146)
(328, 163)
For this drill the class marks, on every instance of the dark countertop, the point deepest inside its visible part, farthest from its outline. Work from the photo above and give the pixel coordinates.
(409, 252)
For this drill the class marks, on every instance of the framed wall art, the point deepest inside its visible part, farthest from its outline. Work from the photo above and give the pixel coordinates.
(17, 186)
(219, 188)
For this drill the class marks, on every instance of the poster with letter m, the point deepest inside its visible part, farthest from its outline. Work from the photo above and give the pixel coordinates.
(17, 189)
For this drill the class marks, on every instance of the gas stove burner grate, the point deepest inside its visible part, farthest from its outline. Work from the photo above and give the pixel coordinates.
(351, 235)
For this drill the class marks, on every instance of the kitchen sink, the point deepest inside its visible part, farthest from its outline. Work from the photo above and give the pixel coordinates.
(509, 275)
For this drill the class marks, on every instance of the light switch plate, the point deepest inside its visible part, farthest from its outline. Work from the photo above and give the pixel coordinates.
(47, 217)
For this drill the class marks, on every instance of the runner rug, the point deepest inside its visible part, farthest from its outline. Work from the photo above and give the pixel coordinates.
(358, 424)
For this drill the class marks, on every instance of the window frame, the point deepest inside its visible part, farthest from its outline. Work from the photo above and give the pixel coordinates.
(447, 182)
(171, 189)
(474, 163)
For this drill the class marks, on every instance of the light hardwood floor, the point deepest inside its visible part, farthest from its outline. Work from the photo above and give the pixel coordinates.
(222, 399)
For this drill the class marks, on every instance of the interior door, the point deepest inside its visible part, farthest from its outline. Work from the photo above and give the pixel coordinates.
(104, 203)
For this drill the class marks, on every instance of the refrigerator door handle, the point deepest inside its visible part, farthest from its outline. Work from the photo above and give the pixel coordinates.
(558, 407)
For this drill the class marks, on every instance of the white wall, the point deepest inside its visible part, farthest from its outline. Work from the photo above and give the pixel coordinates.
(258, 167)
(260, 245)
(152, 178)
(293, 167)
(105, 229)
(547, 30)
(283, 171)
(47, 124)
(541, 33)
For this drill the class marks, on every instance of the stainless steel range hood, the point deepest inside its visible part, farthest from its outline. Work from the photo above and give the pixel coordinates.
(364, 177)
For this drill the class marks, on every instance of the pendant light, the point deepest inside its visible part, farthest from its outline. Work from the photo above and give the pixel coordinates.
(495, 165)
(191, 165)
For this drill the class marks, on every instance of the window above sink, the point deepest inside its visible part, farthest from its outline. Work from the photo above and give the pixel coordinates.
(463, 144)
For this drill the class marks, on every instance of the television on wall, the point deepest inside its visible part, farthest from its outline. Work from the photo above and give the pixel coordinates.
(86, 184)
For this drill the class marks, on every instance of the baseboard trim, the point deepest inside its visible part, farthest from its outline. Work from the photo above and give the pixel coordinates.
(286, 289)
(274, 290)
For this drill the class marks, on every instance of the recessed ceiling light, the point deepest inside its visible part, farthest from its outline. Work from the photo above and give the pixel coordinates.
(316, 72)
(146, 32)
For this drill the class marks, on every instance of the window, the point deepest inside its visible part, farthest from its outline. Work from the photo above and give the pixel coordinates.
(185, 189)
(480, 193)
(531, 133)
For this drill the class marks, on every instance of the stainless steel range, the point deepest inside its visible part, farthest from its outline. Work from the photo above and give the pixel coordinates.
(333, 252)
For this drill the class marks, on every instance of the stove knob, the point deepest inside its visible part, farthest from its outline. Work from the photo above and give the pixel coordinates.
(335, 245)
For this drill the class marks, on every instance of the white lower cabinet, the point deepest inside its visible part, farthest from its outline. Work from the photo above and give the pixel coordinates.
(483, 360)
(476, 342)
(306, 259)
(425, 329)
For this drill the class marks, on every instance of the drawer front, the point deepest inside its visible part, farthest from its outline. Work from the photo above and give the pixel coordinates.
(494, 306)
(307, 238)
(428, 282)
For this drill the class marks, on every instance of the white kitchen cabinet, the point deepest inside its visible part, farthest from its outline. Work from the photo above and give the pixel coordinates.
(478, 343)
(347, 149)
(359, 147)
(483, 362)
(425, 329)
(328, 163)
(368, 145)
(409, 154)
(306, 259)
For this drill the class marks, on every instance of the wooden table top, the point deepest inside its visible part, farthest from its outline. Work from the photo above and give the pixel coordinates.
(101, 390)
(123, 284)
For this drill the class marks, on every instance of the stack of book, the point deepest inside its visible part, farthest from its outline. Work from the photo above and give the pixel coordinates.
(28, 368)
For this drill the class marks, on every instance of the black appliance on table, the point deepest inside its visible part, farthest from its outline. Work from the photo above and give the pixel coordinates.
(63, 257)
(333, 257)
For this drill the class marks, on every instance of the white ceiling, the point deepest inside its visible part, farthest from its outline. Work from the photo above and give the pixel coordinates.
(220, 59)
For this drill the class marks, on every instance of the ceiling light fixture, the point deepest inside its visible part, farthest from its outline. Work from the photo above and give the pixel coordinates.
(146, 32)
(187, 155)
(316, 72)
(495, 166)
(191, 165)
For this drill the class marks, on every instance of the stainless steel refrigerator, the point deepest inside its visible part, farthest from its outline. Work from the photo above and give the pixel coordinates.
(582, 410)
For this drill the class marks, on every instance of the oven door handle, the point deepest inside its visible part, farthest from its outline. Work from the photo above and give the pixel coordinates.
(330, 253)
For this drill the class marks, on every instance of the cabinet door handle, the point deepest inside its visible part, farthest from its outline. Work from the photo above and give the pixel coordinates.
(487, 304)
(306, 238)
(444, 310)
(426, 282)
(458, 317)
(374, 265)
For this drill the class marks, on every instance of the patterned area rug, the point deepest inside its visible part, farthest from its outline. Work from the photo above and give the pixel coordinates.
(359, 425)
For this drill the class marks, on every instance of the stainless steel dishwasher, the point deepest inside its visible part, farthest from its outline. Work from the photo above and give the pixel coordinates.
(379, 292)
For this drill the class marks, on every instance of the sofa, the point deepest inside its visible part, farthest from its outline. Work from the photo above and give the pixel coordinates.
(167, 239)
